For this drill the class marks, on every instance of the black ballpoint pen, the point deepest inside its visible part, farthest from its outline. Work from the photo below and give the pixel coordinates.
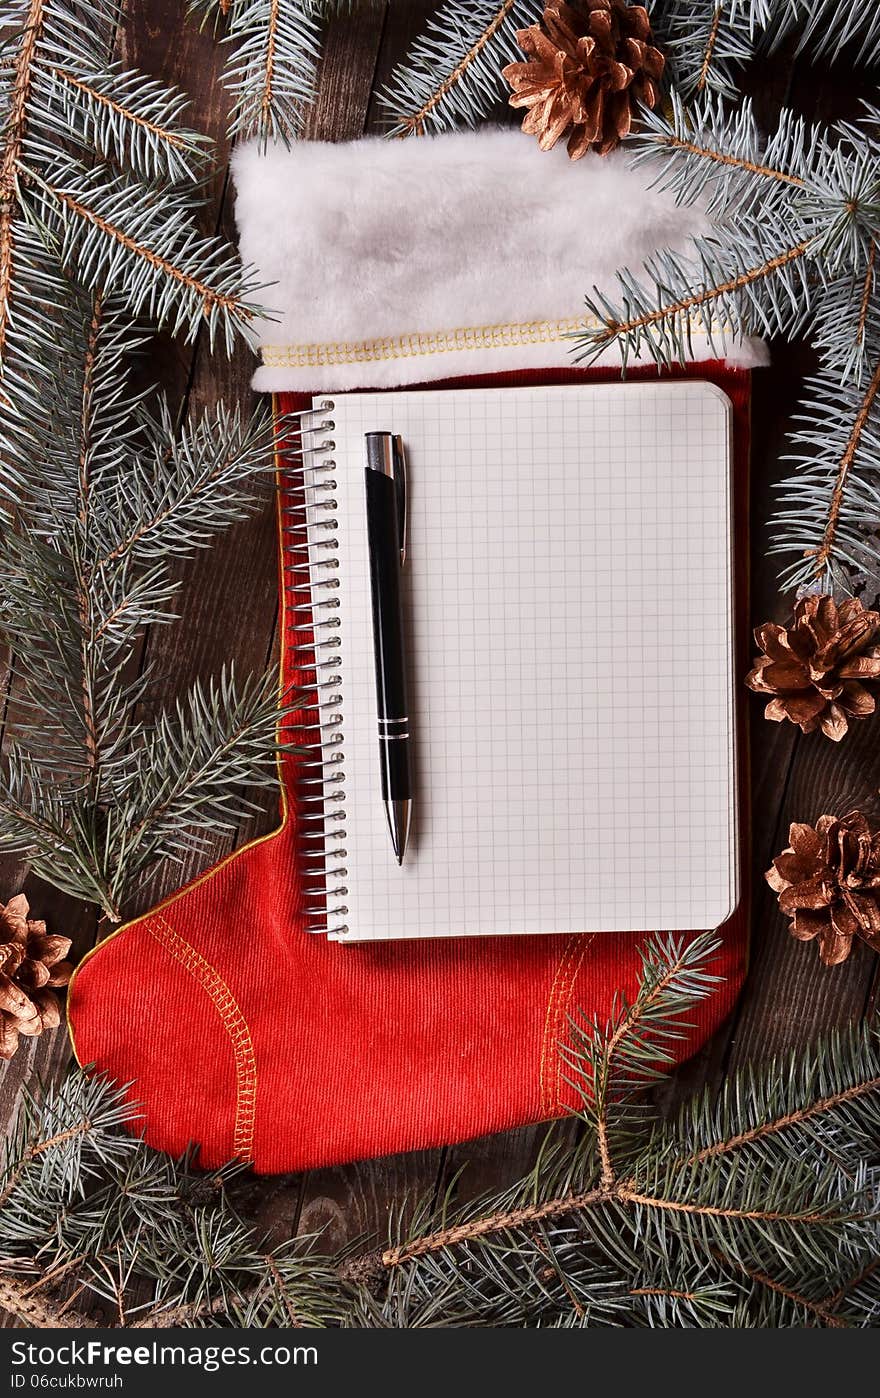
(385, 477)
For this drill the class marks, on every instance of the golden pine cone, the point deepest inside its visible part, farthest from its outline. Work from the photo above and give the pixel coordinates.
(819, 669)
(31, 964)
(828, 883)
(589, 65)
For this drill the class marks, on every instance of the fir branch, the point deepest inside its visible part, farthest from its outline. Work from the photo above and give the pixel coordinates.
(792, 216)
(831, 1091)
(836, 1298)
(274, 49)
(132, 120)
(267, 97)
(37, 1148)
(173, 785)
(60, 1137)
(762, 1209)
(194, 765)
(790, 1119)
(825, 551)
(828, 515)
(688, 144)
(748, 167)
(87, 143)
(451, 76)
(158, 261)
(709, 51)
(416, 121)
(666, 330)
(622, 1193)
(823, 1313)
(663, 1291)
(180, 1316)
(474, 1230)
(821, 1218)
(706, 1303)
(706, 45)
(95, 795)
(277, 1282)
(9, 161)
(615, 327)
(194, 481)
(614, 1063)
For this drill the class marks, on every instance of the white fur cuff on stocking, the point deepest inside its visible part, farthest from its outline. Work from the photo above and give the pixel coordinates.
(387, 263)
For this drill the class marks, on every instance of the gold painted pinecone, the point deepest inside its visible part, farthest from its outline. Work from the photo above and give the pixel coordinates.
(820, 670)
(589, 64)
(828, 883)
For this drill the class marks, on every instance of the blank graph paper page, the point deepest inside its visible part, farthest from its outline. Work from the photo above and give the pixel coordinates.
(574, 740)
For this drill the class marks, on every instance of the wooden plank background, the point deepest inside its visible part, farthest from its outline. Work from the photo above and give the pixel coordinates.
(227, 607)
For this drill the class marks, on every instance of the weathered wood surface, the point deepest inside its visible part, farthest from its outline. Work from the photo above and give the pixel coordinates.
(227, 607)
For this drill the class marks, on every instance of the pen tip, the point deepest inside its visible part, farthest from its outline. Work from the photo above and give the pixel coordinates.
(398, 813)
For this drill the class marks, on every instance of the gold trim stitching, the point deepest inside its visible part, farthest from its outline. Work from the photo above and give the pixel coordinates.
(474, 337)
(564, 1007)
(547, 1046)
(561, 991)
(234, 1023)
(482, 337)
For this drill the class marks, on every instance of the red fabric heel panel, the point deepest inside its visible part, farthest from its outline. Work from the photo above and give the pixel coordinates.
(172, 1031)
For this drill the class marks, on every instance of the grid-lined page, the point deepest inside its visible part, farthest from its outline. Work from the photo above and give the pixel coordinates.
(569, 632)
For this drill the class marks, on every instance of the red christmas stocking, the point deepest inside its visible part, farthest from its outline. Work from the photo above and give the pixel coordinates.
(305, 1052)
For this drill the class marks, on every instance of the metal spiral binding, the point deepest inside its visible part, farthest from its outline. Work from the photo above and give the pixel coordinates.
(312, 563)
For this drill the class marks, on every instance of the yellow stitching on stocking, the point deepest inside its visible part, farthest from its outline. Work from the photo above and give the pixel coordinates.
(564, 1003)
(547, 1106)
(233, 1022)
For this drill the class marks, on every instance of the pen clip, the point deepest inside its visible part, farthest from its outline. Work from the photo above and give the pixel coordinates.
(400, 487)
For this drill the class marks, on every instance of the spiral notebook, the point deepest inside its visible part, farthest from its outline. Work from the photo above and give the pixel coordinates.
(569, 622)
